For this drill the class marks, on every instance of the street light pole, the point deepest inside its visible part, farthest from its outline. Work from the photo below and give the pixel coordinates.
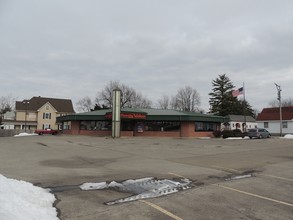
(25, 117)
(280, 106)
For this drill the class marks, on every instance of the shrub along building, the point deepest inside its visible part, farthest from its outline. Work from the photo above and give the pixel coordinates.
(143, 122)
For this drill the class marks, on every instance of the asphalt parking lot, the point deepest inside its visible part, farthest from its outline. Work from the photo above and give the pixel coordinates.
(215, 166)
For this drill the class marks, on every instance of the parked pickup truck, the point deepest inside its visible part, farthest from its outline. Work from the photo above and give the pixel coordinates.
(46, 131)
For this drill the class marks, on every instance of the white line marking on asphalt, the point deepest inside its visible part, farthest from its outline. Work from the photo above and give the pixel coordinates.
(277, 177)
(227, 169)
(237, 171)
(161, 210)
(254, 195)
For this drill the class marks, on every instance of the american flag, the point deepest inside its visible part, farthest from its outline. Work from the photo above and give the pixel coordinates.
(237, 92)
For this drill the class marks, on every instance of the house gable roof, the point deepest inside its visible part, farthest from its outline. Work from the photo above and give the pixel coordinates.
(35, 103)
(47, 104)
(269, 114)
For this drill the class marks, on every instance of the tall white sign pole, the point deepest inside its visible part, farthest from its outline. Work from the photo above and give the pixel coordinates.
(116, 110)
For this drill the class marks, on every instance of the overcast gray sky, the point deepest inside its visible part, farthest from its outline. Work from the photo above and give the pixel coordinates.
(73, 48)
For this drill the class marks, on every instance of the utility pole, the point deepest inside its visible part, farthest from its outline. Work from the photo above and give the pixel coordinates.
(25, 116)
(280, 106)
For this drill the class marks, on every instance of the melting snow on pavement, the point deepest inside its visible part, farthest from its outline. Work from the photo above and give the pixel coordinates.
(23, 200)
(288, 136)
(143, 188)
(24, 134)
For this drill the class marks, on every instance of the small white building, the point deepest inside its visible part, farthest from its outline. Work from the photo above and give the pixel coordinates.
(8, 120)
(269, 119)
(239, 122)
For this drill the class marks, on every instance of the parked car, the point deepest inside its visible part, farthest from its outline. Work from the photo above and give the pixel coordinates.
(258, 133)
(46, 131)
(233, 133)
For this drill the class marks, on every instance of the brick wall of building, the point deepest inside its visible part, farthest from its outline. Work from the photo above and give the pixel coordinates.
(187, 130)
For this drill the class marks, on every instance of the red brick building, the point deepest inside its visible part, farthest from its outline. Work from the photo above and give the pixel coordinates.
(143, 122)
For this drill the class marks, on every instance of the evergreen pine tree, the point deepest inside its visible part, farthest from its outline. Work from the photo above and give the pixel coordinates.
(221, 100)
(223, 103)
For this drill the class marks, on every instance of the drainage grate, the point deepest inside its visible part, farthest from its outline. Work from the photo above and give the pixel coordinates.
(143, 188)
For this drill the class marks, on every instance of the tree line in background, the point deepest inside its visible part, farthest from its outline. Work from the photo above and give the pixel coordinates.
(221, 101)
(285, 102)
(187, 99)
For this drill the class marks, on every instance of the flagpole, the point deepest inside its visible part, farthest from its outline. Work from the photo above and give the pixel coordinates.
(244, 108)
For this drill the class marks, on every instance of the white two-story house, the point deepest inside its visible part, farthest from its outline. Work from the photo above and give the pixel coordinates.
(40, 112)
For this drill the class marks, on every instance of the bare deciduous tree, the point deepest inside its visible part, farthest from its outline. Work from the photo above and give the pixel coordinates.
(164, 102)
(7, 103)
(187, 99)
(84, 104)
(285, 103)
(129, 97)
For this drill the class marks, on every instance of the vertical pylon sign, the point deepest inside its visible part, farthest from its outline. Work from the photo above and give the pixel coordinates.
(116, 109)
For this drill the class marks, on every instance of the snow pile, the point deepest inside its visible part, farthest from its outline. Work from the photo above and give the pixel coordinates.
(23, 200)
(236, 138)
(24, 134)
(288, 136)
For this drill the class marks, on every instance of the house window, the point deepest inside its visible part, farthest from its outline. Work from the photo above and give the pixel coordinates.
(46, 126)
(285, 124)
(46, 115)
(266, 124)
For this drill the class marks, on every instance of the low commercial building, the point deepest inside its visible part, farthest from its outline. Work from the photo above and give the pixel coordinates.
(241, 122)
(143, 122)
(7, 121)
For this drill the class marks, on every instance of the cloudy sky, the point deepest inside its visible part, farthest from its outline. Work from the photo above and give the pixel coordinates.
(73, 48)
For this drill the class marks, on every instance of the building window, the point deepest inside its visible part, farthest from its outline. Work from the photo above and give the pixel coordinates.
(46, 126)
(66, 125)
(46, 115)
(285, 124)
(160, 126)
(266, 124)
(206, 126)
(95, 125)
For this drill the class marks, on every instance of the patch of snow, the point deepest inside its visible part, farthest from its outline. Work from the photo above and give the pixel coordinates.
(143, 188)
(288, 136)
(236, 138)
(90, 186)
(239, 177)
(24, 134)
(23, 200)
(137, 180)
